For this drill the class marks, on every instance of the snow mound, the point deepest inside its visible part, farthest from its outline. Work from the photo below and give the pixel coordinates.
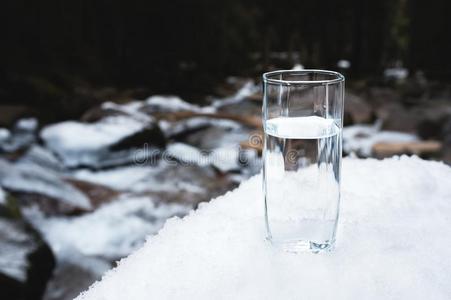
(393, 243)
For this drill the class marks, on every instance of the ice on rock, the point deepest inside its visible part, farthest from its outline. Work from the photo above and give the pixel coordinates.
(393, 243)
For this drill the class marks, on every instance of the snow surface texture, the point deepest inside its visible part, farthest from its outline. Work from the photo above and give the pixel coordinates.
(393, 243)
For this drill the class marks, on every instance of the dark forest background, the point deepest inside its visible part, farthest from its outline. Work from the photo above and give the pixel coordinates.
(67, 55)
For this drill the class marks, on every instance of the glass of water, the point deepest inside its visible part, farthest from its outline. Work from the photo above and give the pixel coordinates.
(302, 121)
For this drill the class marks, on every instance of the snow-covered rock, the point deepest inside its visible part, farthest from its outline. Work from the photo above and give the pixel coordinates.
(248, 89)
(99, 144)
(393, 243)
(173, 104)
(40, 156)
(112, 231)
(122, 178)
(167, 180)
(132, 108)
(27, 177)
(361, 138)
(20, 137)
(4, 134)
(344, 64)
(396, 73)
(27, 124)
(224, 159)
(172, 129)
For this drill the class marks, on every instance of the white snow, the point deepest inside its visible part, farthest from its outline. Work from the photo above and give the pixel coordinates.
(71, 135)
(4, 134)
(131, 108)
(37, 155)
(188, 154)
(79, 143)
(172, 129)
(123, 178)
(28, 177)
(298, 67)
(397, 73)
(344, 64)
(15, 248)
(361, 138)
(248, 89)
(132, 218)
(224, 158)
(27, 124)
(393, 243)
(166, 180)
(173, 104)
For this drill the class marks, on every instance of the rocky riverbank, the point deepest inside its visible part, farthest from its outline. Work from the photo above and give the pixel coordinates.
(78, 195)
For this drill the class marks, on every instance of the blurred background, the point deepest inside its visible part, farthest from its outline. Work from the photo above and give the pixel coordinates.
(116, 115)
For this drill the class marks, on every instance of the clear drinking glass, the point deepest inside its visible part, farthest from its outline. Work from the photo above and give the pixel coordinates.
(302, 120)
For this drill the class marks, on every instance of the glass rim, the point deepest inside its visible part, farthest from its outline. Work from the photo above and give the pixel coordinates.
(337, 77)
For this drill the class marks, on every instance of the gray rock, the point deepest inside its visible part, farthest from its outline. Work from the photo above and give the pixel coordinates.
(26, 261)
(357, 110)
(73, 275)
(395, 117)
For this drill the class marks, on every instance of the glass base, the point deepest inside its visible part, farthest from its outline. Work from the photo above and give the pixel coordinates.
(298, 246)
